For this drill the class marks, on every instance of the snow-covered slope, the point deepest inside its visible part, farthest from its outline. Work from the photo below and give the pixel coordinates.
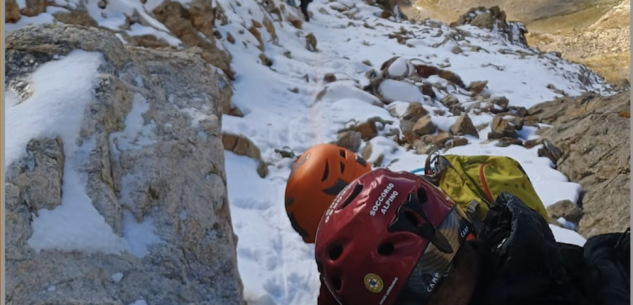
(277, 268)
(285, 105)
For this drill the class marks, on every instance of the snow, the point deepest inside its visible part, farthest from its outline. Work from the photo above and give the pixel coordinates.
(565, 223)
(399, 67)
(117, 277)
(139, 30)
(136, 134)
(43, 18)
(342, 111)
(139, 236)
(61, 91)
(75, 224)
(54, 10)
(113, 17)
(275, 265)
(400, 91)
(272, 263)
(399, 108)
(567, 236)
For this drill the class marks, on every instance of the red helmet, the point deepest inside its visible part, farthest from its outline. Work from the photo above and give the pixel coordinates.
(388, 238)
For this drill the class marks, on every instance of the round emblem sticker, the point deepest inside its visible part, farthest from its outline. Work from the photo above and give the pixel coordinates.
(373, 283)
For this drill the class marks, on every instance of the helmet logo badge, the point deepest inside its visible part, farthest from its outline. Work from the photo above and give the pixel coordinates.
(373, 282)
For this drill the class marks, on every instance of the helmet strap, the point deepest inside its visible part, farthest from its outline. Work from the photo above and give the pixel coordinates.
(427, 230)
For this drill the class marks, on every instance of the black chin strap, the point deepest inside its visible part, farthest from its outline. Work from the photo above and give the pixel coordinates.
(426, 230)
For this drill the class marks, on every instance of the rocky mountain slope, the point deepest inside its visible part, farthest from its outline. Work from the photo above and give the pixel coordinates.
(525, 11)
(604, 45)
(595, 33)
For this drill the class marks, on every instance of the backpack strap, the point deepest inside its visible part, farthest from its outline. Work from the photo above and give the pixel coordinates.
(470, 212)
(434, 167)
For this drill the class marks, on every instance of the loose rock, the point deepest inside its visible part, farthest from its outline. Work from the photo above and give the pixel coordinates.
(464, 126)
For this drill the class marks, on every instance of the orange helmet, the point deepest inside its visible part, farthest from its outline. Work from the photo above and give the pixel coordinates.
(317, 176)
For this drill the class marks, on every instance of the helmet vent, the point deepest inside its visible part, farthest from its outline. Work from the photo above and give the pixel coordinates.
(361, 161)
(342, 167)
(357, 189)
(412, 218)
(421, 194)
(335, 252)
(386, 249)
(342, 153)
(326, 172)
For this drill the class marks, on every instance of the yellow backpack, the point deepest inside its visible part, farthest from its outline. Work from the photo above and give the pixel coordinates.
(474, 182)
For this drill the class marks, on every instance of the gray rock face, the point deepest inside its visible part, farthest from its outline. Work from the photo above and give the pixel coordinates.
(171, 172)
(591, 133)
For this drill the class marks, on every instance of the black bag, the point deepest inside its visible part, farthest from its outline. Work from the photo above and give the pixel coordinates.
(607, 275)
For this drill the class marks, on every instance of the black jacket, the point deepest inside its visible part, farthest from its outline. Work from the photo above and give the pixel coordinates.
(522, 264)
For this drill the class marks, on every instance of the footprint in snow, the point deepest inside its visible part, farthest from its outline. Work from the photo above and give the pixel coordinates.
(251, 204)
(274, 288)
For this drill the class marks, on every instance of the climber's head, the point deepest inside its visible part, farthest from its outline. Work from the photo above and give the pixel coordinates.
(390, 238)
(317, 176)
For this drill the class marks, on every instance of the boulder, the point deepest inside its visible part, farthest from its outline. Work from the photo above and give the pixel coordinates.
(456, 142)
(12, 11)
(477, 86)
(34, 8)
(349, 139)
(464, 126)
(138, 163)
(414, 112)
(500, 128)
(243, 146)
(81, 17)
(186, 25)
(367, 129)
(424, 126)
(425, 71)
(311, 42)
(497, 104)
(507, 141)
(566, 209)
(427, 89)
(438, 139)
(519, 111)
(407, 131)
(396, 68)
(329, 78)
(457, 109)
(449, 100)
(422, 148)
